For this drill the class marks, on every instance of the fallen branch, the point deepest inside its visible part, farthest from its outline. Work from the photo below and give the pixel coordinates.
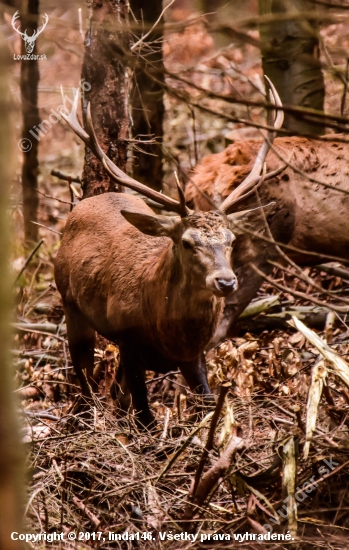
(260, 306)
(210, 438)
(182, 448)
(312, 316)
(213, 475)
(41, 414)
(45, 327)
(79, 504)
(334, 270)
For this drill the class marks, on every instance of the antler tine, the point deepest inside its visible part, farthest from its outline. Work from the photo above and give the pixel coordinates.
(254, 176)
(185, 210)
(90, 139)
(277, 102)
(73, 121)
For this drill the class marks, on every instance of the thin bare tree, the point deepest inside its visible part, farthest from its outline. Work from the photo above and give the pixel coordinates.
(29, 82)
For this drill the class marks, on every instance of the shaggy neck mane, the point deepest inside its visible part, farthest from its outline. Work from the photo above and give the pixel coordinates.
(183, 313)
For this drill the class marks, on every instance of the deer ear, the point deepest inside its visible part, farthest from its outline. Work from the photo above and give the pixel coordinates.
(156, 226)
(237, 217)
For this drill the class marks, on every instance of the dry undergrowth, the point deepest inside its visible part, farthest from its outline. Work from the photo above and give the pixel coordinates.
(102, 474)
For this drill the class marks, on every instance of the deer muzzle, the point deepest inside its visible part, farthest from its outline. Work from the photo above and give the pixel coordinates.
(222, 283)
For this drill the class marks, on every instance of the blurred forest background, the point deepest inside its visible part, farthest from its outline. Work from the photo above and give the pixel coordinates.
(164, 96)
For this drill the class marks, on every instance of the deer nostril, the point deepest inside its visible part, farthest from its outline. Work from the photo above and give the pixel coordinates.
(226, 285)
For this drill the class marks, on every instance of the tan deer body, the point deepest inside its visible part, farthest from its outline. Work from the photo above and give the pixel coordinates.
(307, 216)
(153, 284)
(159, 298)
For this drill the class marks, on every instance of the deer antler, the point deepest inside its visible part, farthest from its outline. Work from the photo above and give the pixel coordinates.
(14, 19)
(255, 174)
(90, 139)
(40, 29)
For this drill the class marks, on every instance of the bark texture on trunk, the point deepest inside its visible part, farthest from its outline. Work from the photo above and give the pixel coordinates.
(290, 51)
(147, 96)
(29, 82)
(104, 71)
(10, 451)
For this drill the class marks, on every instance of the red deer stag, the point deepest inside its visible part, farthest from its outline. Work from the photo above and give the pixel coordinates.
(153, 284)
(310, 215)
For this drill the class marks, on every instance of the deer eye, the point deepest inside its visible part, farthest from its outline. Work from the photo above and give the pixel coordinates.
(187, 244)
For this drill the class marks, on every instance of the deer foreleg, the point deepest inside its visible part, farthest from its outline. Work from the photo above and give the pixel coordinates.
(81, 339)
(133, 374)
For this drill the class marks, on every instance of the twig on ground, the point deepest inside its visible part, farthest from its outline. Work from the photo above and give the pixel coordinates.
(212, 476)
(79, 504)
(225, 387)
(185, 445)
(334, 270)
(164, 431)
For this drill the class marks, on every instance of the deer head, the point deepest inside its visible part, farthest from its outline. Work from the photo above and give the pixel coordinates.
(29, 40)
(203, 246)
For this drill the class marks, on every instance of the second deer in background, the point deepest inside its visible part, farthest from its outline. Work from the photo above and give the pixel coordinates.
(309, 216)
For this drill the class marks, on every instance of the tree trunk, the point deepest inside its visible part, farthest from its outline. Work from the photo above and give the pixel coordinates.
(29, 81)
(290, 51)
(104, 72)
(147, 97)
(10, 450)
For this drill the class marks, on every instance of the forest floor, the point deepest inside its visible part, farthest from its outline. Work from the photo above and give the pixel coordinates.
(101, 474)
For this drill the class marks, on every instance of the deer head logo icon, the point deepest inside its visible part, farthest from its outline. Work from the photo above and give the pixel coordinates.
(29, 40)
